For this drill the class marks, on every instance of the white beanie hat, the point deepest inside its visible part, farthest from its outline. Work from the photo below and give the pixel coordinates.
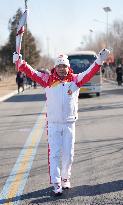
(62, 59)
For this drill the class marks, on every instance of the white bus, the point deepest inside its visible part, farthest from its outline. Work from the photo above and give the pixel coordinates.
(79, 62)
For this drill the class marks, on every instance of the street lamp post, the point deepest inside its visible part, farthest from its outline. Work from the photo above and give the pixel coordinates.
(107, 10)
(91, 32)
(25, 4)
(48, 46)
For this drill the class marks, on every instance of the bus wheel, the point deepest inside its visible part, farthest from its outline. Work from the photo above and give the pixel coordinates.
(97, 94)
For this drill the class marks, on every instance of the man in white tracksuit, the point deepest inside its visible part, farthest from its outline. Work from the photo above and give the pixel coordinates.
(62, 90)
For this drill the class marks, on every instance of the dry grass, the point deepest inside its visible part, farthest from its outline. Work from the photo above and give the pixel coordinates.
(7, 85)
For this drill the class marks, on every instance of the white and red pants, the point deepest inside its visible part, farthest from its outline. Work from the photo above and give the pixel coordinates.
(61, 139)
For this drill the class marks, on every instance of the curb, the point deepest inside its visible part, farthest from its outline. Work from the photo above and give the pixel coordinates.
(5, 97)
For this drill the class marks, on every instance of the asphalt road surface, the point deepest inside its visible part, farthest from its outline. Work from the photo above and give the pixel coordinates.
(97, 172)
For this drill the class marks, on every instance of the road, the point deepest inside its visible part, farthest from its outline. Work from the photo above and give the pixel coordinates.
(97, 173)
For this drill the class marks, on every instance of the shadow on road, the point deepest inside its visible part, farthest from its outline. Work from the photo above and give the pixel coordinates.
(110, 106)
(104, 92)
(25, 114)
(113, 92)
(26, 98)
(46, 195)
(42, 97)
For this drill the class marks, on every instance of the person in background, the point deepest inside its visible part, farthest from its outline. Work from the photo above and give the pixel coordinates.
(34, 85)
(119, 73)
(20, 81)
(62, 90)
(29, 82)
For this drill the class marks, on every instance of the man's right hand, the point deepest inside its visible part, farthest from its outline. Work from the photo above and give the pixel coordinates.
(17, 57)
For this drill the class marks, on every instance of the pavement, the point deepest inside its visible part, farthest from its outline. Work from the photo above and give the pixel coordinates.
(5, 97)
(8, 88)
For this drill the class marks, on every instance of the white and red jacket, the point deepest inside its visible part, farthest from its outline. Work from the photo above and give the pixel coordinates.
(62, 95)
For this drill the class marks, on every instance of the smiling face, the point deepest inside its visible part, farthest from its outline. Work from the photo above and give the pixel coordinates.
(62, 70)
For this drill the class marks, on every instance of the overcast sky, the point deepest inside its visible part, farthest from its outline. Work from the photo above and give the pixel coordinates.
(59, 25)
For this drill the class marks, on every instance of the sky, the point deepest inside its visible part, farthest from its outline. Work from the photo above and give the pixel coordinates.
(60, 26)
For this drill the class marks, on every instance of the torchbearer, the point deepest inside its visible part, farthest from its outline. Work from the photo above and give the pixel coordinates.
(62, 90)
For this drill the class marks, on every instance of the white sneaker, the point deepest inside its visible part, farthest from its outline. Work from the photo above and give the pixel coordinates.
(57, 189)
(66, 184)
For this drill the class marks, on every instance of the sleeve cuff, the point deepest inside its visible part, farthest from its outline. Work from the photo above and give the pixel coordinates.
(98, 61)
(21, 63)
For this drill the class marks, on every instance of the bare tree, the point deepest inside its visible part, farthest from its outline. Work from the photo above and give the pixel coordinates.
(115, 41)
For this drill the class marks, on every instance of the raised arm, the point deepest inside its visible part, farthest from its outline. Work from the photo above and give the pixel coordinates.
(85, 76)
(39, 77)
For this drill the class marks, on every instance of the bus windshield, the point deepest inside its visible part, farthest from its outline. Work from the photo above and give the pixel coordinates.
(80, 63)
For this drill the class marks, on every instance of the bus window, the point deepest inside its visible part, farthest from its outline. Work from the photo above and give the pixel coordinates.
(79, 62)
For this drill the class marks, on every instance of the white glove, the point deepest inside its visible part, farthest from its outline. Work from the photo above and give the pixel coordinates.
(17, 57)
(102, 56)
